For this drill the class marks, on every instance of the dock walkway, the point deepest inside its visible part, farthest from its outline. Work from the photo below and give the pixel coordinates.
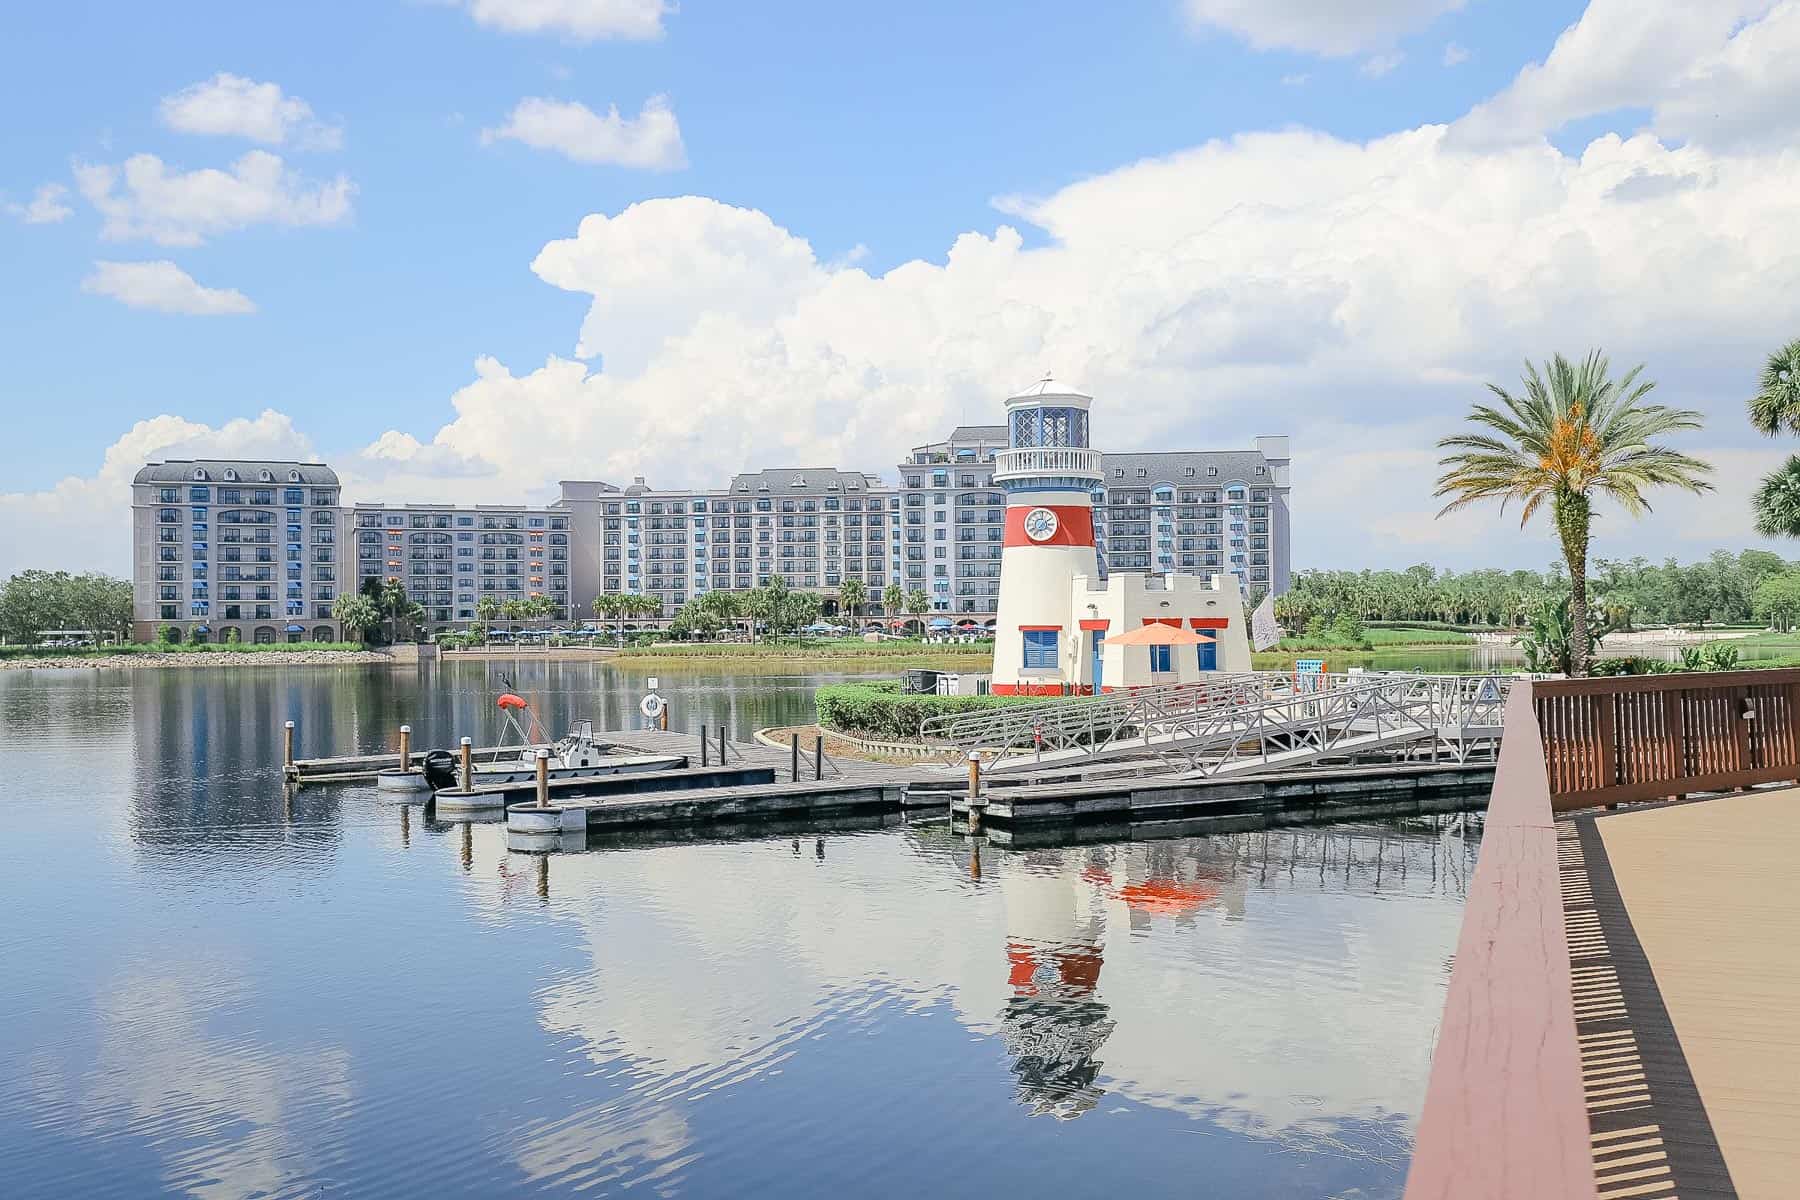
(1683, 923)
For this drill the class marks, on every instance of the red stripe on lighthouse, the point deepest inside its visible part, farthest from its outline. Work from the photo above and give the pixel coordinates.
(1074, 525)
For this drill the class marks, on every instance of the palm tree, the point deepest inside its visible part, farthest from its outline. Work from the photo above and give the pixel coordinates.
(1774, 408)
(1776, 405)
(613, 605)
(851, 595)
(918, 604)
(893, 602)
(1573, 432)
(513, 609)
(356, 613)
(488, 609)
(644, 605)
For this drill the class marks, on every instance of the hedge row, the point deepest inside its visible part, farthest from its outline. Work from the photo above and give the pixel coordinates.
(878, 710)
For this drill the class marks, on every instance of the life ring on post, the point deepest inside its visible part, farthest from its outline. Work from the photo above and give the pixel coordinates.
(651, 706)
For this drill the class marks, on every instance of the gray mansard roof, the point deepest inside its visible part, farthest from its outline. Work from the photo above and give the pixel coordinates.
(805, 479)
(181, 470)
(1171, 467)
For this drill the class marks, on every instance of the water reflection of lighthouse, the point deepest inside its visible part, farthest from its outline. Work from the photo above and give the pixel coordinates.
(1056, 1019)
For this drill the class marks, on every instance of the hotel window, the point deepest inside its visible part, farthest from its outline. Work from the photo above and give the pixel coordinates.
(1040, 649)
(1159, 659)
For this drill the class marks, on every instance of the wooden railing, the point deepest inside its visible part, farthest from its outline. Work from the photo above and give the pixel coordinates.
(1504, 1117)
(1647, 737)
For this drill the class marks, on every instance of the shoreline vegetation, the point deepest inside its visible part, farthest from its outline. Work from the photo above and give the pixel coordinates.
(897, 652)
(136, 655)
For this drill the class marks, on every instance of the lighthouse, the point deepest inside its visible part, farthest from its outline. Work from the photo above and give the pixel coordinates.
(1048, 472)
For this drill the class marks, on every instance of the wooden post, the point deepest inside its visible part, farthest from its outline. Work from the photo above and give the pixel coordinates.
(818, 756)
(287, 747)
(543, 778)
(794, 757)
(406, 747)
(1740, 706)
(1677, 755)
(705, 749)
(662, 718)
(721, 745)
(468, 765)
(1609, 751)
(976, 802)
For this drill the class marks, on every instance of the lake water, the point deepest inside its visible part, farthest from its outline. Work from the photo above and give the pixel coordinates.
(213, 989)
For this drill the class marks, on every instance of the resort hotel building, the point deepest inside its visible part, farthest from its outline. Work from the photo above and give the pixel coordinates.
(264, 548)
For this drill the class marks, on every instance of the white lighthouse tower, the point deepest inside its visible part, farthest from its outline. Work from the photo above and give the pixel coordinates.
(1048, 472)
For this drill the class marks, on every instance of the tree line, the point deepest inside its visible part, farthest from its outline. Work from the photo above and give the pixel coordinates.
(34, 601)
(1724, 588)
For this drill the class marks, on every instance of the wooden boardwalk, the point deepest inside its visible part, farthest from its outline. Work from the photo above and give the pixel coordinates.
(1683, 924)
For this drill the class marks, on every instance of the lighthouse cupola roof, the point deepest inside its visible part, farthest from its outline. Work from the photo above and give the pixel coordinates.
(1048, 392)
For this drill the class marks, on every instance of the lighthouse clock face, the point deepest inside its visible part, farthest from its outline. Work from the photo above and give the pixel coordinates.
(1040, 524)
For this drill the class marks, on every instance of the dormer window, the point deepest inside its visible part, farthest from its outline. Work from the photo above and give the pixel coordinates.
(293, 477)
(266, 476)
(199, 474)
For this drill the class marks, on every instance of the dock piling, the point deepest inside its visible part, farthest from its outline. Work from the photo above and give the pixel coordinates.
(662, 718)
(705, 747)
(721, 745)
(406, 747)
(794, 757)
(543, 778)
(468, 764)
(287, 748)
(818, 756)
(977, 802)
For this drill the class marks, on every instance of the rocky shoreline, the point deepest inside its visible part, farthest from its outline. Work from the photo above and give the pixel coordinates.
(271, 658)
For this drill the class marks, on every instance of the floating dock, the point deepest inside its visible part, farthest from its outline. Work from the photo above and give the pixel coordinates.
(830, 797)
(1292, 795)
(649, 773)
(351, 768)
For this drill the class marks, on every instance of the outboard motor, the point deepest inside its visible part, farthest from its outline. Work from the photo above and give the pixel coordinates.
(440, 769)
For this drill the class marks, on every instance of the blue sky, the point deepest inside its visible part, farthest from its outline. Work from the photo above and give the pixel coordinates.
(876, 137)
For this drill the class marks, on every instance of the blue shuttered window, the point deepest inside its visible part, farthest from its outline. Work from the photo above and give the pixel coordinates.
(1040, 648)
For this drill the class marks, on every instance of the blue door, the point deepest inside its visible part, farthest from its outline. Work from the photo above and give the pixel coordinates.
(1209, 656)
(1099, 636)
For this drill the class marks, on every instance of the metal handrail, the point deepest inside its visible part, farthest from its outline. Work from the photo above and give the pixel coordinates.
(1263, 710)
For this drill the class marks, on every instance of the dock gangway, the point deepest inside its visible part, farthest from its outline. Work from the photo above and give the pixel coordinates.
(1239, 724)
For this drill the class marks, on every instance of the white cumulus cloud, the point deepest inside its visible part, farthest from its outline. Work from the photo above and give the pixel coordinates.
(146, 198)
(651, 140)
(581, 20)
(233, 106)
(163, 287)
(47, 206)
(1377, 65)
(1717, 72)
(1331, 28)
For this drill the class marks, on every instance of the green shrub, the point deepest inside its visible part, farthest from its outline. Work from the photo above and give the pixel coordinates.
(878, 709)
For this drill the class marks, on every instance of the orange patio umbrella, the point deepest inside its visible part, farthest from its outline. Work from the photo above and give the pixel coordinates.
(1159, 635)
